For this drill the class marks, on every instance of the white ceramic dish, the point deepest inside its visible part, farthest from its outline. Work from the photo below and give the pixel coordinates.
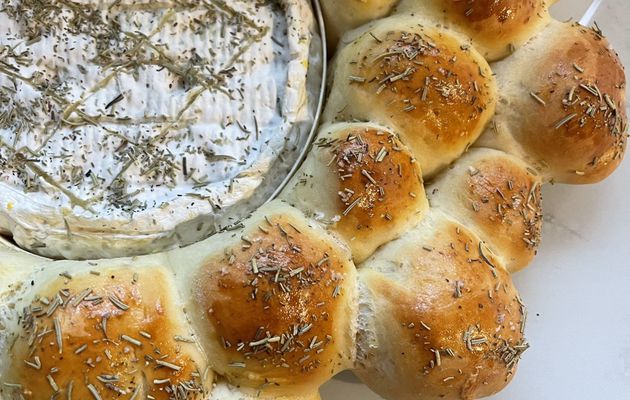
(576, 289)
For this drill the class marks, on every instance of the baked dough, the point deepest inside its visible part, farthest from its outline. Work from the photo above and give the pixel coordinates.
(496, 27)
(423, 82)
(361, 182)
(344, 15)
(563, 105)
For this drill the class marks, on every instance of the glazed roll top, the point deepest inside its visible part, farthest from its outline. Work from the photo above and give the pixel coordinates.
(118, 332)
(563, 105)
(440, 317)
(362, 183)
(423, 82)
(496, 27)
(274, 302)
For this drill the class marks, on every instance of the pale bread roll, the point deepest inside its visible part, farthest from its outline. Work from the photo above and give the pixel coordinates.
(344, 15)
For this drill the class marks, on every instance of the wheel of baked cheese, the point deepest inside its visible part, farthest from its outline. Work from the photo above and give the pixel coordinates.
(118, 139)
(388, 253)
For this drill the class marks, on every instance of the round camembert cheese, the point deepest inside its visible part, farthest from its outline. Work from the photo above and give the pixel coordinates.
(133, 126)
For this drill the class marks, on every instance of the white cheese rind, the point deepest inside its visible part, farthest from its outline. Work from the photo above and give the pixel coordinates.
(254, 106)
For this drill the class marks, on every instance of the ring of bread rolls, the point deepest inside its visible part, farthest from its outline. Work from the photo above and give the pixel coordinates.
(359, 265)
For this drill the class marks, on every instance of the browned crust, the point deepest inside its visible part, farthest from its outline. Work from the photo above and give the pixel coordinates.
(574, 121)
(496, 27)
(380, 187)
(498, 197)
(426, 85)
(277, 307)
(120, 336)
(495, 22)
(506, 204)
(455, 299)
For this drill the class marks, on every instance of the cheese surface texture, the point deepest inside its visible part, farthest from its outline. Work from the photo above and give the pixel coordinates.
(133, 126)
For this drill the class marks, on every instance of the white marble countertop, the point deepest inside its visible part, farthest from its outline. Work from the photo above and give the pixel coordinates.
(577, 290)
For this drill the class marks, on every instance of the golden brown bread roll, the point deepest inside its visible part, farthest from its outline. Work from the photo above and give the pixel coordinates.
(420, 81)
(498, 197)
(496, 27)
(85, 334)
(276, 304)
(344, 15)
(362, 182)
(563, 105)
(443, 318)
